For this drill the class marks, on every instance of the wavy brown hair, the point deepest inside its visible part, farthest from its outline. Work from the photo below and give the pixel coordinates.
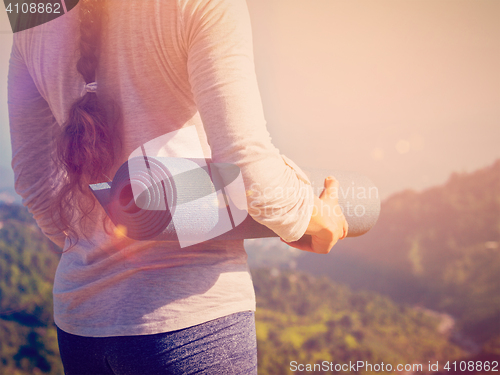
(85, 147)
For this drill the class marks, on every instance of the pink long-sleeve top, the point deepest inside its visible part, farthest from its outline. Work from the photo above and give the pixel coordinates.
(167, 64)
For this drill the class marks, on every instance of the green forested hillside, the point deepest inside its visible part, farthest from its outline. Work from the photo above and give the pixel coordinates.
(28, 261)
(310, 320)
(439, 248)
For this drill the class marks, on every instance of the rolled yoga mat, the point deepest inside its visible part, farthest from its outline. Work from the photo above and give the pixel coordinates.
(194, 200)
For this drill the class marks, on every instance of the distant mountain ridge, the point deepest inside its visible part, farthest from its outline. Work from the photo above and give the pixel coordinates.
(439, 248)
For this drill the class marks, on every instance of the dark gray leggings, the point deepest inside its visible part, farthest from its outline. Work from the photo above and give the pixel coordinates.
(222, 346)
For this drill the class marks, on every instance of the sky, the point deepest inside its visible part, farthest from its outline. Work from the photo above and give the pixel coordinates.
(403, 91)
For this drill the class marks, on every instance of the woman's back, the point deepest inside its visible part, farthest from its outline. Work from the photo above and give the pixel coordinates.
(165, 65)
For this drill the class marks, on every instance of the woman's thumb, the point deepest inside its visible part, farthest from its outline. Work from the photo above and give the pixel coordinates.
(331, 191)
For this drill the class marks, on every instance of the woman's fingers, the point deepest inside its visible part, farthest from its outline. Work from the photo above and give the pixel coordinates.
(305, 243)
(328, 223)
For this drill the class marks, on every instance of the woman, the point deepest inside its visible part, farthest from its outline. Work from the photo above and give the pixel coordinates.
(146, 307)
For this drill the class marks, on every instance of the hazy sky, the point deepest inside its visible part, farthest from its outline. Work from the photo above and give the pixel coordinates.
(404, 91)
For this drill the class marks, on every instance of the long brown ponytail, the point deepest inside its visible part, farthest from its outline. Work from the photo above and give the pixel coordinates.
(85, 149)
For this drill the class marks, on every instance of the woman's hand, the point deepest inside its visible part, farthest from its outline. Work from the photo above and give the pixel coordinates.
(328, 223)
